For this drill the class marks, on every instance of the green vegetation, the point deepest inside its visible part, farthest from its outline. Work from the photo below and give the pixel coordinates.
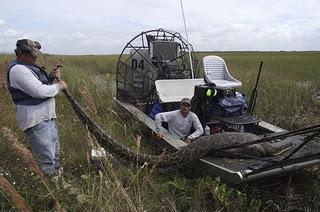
(289, 81)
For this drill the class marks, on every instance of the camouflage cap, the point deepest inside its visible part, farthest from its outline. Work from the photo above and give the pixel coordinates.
(26, 46)
(185, 101)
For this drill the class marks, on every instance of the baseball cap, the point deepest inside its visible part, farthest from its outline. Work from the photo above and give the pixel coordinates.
(185, 101)
(27, 46)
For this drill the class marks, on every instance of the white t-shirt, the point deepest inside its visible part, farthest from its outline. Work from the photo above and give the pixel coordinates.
(24, 79)
(180, 126)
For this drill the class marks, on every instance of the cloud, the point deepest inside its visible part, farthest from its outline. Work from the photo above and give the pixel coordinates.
(79, 36)
(9, 34)
(259, 37)
(102, 27)
(2, 22)
(8, 39)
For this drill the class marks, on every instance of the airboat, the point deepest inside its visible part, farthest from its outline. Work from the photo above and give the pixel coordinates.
(159, 67)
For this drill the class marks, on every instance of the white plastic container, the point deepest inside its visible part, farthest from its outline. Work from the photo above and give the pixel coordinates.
(207, 130)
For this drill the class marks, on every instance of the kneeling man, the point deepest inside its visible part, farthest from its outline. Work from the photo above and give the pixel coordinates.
(180, 122)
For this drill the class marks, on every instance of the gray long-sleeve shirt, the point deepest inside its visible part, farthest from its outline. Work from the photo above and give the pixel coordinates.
(25, 80)
(180, 126)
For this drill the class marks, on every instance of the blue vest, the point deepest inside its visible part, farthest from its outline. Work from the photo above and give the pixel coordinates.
(18, 96)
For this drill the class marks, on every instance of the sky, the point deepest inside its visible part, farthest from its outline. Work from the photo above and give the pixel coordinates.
(105, 27)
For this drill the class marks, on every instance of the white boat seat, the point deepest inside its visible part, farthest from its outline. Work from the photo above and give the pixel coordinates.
(225, 84)
(173, 90)
(216, 71)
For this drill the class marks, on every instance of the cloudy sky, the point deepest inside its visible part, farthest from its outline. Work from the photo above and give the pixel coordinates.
(105, 26)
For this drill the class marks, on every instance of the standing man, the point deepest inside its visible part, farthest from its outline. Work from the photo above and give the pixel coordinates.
(32, 90)
(180, 122)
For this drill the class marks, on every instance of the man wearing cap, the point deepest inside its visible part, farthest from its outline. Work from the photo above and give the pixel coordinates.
(180, 122)
(32, 90)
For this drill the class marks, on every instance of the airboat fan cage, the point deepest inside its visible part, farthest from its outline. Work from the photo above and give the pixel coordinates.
(150, 56)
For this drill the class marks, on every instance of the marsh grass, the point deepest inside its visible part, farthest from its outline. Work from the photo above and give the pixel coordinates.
(18, 201)
(287, 83)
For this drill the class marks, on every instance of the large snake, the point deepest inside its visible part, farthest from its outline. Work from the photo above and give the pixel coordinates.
(200, 148)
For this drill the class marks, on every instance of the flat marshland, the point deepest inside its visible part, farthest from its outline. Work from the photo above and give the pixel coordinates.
(288, 94)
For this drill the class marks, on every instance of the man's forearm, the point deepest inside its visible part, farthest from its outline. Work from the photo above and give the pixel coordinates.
(196, 134)
(158, 123)
(28, 83)
(199, 130)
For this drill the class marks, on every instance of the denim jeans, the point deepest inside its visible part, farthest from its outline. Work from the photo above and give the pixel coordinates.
(45, 145)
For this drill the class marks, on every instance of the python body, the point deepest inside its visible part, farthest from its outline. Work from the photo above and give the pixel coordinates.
(200, 148)
(271, 148)
(210, 145)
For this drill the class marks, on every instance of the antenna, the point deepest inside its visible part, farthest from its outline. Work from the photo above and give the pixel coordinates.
(189, 46)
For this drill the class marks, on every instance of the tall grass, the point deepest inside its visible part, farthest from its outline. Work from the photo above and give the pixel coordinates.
(288, 82)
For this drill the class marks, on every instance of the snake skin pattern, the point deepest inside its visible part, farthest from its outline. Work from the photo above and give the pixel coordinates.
(200, 148)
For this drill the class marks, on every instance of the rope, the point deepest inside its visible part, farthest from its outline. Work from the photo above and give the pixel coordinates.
(189, 46)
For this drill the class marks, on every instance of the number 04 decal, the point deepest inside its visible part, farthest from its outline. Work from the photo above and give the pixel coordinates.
(135, 64)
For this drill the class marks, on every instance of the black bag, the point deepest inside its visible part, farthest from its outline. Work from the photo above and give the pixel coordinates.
(229, 106)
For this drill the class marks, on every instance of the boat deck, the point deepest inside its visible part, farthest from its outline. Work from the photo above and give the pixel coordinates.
(238, 170)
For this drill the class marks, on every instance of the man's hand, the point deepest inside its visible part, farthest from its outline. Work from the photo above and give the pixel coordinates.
(62, 85)
(56, 73)
(159, 136)
(188, 141)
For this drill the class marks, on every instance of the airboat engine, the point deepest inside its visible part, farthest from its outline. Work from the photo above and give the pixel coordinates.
(150, 56)
(141, 74)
